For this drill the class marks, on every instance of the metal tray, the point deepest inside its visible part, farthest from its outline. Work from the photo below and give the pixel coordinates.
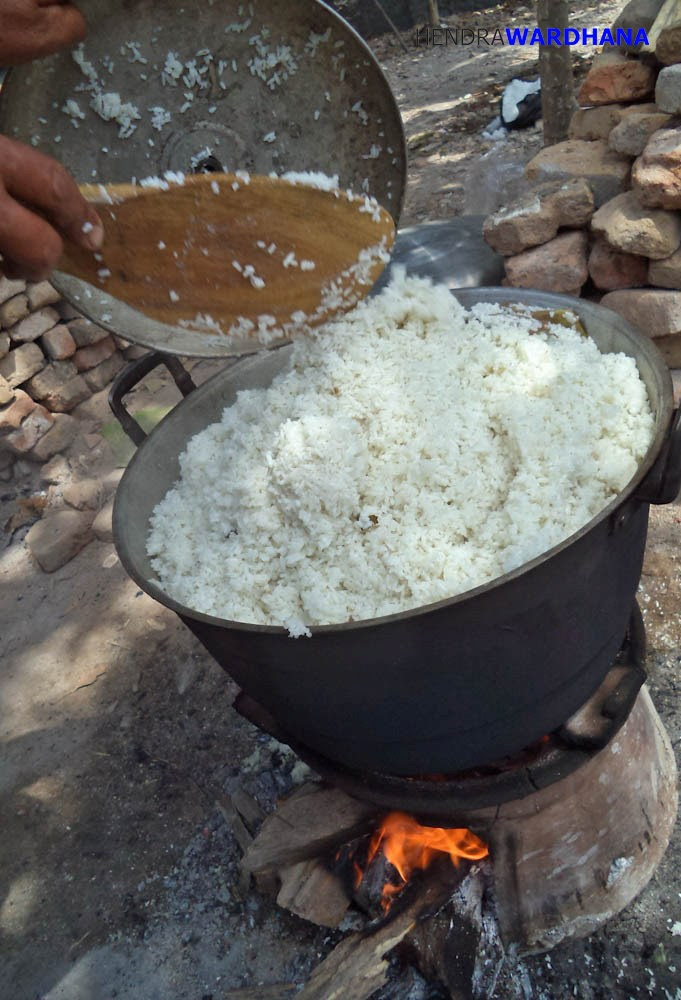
(276, 85)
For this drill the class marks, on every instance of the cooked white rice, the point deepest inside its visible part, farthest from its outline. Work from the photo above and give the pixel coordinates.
(412, 450)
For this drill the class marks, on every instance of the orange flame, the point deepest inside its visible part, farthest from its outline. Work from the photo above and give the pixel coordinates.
(409, 846)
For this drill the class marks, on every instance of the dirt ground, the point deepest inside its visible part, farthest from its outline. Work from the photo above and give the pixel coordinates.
(118, 873)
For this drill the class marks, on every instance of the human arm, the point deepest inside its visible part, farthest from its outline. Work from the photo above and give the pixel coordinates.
(39, 201)
(39, 205)
(31, 29)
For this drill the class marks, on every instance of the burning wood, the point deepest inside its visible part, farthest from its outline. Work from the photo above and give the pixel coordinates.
(314, 893)
(410, 847)
(357, 966)
(308, 826)
(566, 857)
(282, 992)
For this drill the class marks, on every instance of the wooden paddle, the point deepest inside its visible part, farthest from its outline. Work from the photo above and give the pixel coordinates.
(230, 254)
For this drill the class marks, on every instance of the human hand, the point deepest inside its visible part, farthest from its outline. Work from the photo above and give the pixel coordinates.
(31, 29)
(39, 204)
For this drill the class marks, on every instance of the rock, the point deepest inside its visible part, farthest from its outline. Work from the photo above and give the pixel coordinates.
(56, 470)
(666, 272)
(68, 311)
(6, 464)
(22, 469)
(34, 326)
(537, 216)
(103, 374)
(615, 77)
(670, 349)
(56, 539)
(668, 48)
(519, 225)
(6, 392)
(676, 385)
(102, 525)
(59, 386)
(85, 332)
(10, 288)
(135, 352)
(656, 176)
(572, 201)
(85, 494)
(646, 108)
(4, 345)
(15, 410)
(631, 136)
(57, 439)
(53, 498)
(627, 226)
(111, 480)
(668, 90)
(638, 14)
(595, 123)
(57, 343)
(557, 266)
(13, 310)
(30, 431)
(90, 357)
(42, 294)
(665, 37)
(20, 364)
(605, 171)
(610, 269)
(50, 378)
(95, 409)
(652, 310)
(65, 397)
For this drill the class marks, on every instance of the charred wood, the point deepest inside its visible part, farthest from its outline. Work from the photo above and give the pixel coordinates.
(357, 966)
(234, 821)
(281, 992)
(248, 809)
(314, 893)
(308, 826)
(460, 946)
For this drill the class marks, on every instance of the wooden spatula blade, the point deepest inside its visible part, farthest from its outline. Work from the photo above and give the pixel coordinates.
(237, 255)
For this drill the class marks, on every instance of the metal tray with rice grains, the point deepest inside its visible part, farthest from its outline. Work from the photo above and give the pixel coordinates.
(189, 87)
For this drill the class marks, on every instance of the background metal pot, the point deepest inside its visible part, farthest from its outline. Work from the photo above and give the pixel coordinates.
(458, 683)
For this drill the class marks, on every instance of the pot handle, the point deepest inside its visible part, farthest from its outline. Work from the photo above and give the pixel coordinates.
(131, 375)
(663, 482)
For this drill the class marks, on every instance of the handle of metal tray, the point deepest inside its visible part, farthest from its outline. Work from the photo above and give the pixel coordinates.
(131, 375)
(663, 482)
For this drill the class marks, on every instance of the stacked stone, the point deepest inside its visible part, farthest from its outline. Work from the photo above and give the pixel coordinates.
(603, 217)
(51, 359)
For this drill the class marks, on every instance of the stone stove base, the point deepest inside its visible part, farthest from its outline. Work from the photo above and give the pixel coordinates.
(569, 857)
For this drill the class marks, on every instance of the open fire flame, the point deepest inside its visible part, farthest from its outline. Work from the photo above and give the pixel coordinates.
(408, 846)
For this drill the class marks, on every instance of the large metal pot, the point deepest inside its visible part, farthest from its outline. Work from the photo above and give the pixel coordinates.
(458, 683)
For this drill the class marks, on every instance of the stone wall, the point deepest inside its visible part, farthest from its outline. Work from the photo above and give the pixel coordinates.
(603, 215)
(51, 359)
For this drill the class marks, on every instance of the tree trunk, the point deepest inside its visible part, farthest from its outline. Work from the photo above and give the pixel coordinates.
(425, 11)
(555, 70)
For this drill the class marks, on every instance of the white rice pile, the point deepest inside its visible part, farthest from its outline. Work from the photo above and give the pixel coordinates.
(412, 450)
